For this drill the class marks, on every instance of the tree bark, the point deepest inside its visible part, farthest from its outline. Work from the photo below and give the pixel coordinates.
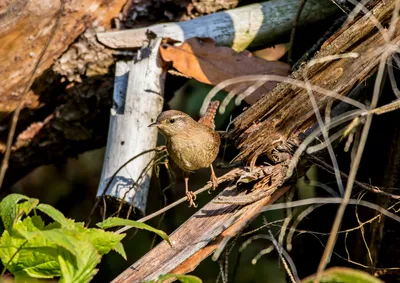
(138, 99)
(249, 26)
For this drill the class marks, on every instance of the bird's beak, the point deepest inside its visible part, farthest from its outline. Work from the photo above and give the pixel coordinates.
(155, 124)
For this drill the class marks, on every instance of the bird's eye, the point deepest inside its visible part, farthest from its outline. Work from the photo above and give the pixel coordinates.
(172, 121)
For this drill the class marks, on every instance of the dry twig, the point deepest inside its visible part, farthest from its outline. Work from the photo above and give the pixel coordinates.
(17, 111)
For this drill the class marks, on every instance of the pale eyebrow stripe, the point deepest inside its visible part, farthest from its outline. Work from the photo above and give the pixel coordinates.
(176, 116)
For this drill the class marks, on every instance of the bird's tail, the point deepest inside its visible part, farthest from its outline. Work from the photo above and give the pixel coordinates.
(208, 117)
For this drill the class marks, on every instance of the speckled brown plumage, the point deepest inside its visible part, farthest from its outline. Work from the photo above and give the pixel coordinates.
(191, 144)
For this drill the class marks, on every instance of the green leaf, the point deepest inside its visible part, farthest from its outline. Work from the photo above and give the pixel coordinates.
(119, 248)
(33, 258)
(9, 251)
(115, 221)
(8, 209)
(58, 252)
(52, 225)
(103, 241)
(38, 262)
(87, 258)
(38, 222)
(181, 278)
(65, 249)
(56, 215)
(61, 237)
(77, 257)
(26, 206)
(344, 275)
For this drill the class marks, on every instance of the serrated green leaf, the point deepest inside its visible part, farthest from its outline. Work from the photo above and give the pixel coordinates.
(344, 275)
(87, 258)
(29, 248)
(9, 250)
(115, 221)
(8, 209)
(38, 262)
(35, 258)
(119, 248)
(26, 207)
(76, 256)
(103, 241)
(56, 215)
(57, 252)
(61, 237)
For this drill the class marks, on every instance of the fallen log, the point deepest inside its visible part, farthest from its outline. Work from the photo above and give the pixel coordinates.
(254, 25)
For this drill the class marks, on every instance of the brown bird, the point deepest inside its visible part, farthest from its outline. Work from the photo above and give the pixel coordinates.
(192, 145)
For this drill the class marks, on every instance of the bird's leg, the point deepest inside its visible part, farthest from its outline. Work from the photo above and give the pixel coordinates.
(214, 180)
(190, 195)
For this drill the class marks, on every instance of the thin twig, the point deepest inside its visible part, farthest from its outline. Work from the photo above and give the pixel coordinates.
(286, 260)
(294, 229)
(354, 262)
(363, 232)
(231, 175)
(374, 189)
(12, 257)
(293, 32)
(281, 79)
(299, 218)
(158, 149)
(353, 171)
(313, 201)
(17, 111)
(322, 125)
(356, 162)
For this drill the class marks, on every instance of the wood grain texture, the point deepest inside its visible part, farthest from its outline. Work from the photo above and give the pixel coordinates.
(138, 99)
(252, 25)
(186, 241)
(198, 236)
(25, 27)
(285, 112)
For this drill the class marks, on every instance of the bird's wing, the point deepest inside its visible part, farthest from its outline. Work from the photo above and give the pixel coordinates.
(208, 117)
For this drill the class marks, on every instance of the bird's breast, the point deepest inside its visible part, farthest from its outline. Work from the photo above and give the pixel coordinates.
(192, 151)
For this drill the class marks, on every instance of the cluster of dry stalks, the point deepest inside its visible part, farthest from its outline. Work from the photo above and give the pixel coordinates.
(356, 131)
(363, 115)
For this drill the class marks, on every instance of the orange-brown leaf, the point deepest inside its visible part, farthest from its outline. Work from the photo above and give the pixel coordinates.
(202, 60)
(273, 53)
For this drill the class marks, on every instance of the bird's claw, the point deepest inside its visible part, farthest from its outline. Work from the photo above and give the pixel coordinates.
(191, 198)
(214, 184)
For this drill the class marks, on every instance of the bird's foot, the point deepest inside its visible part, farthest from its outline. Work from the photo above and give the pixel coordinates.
(214, 183)
(191, 198)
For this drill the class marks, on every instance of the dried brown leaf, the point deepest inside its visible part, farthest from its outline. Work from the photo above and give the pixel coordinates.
(202, 60)
(273, 53)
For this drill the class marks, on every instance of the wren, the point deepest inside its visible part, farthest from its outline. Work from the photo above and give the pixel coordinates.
(191, 144)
